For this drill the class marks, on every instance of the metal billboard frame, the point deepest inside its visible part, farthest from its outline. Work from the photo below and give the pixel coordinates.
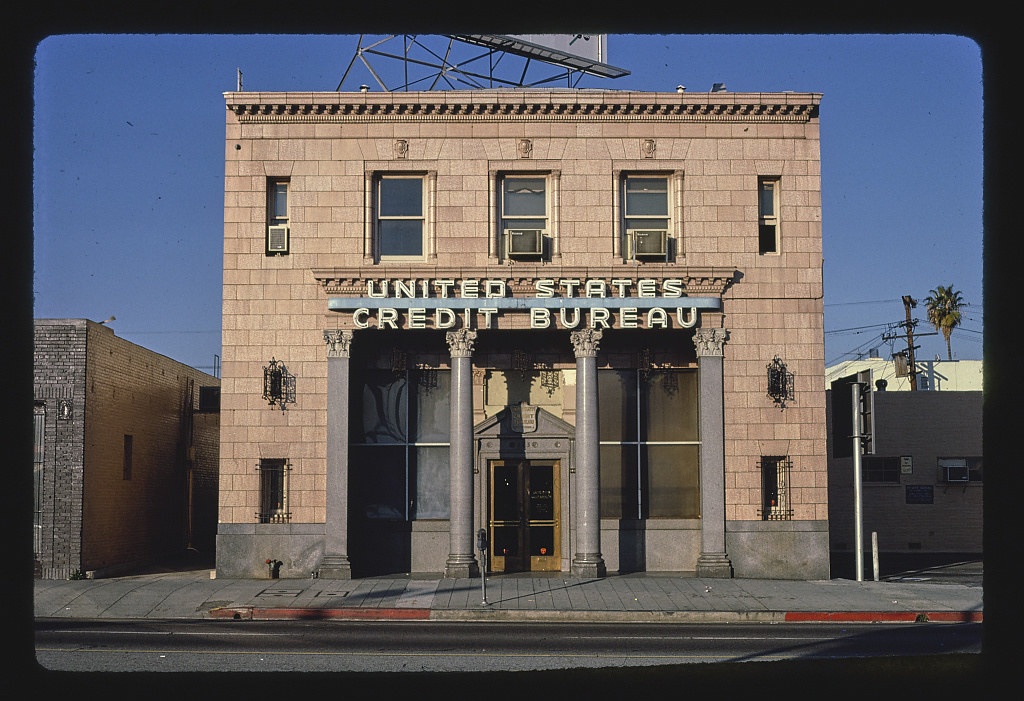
(445, 68)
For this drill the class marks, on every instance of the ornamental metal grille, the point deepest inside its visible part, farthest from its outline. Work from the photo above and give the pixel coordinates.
(273, 474)
(775, 503)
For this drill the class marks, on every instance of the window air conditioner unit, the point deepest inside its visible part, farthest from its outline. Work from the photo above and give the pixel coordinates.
(277, 239)
(524, 242)
(648, 243)
(958, 473)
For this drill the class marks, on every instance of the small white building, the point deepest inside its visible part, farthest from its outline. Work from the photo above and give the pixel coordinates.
(932, 375)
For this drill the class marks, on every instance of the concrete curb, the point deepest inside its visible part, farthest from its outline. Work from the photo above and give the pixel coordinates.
(485, 615)
(885, 617)
(354, 614)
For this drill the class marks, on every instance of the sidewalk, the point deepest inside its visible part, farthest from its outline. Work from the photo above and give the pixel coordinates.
(643, 597)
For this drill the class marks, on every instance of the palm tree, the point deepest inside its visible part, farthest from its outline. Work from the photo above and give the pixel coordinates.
(943, 305)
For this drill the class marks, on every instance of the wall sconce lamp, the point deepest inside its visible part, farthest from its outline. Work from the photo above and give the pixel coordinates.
(427, 377)
(644, 363)
(278, 384)
(521, 361)
(780, 382)
(399, 361)
(550, 380)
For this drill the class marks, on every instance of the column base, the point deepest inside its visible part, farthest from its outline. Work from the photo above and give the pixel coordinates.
(335, 567)
(589, 565)
(714, 565)
(461, 567)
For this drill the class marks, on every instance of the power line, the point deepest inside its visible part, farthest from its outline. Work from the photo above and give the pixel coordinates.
(850, 304)
(858, 352)
(857, 328)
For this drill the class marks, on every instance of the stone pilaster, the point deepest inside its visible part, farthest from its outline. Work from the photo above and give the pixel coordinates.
(587, 560)
(461, 561)
(713, 560)
(335, 563)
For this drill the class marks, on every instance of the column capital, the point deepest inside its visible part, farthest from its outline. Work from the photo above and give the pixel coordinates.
(338, 343)
(584, 343)
(710, 341)
(460, 342)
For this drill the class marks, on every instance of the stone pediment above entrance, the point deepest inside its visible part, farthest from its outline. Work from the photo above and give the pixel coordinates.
(523, 421)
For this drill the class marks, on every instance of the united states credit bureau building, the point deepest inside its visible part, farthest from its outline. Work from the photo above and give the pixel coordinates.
(588, 322)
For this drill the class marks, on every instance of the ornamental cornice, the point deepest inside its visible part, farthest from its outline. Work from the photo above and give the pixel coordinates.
(258, 108)
(351, 282)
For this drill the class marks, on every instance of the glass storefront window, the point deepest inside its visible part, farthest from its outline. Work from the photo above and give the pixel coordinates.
(383, 409)
(431, 480)
(620, 491)
(670, 411)
(673, 481)
(649, 444)
(617, 390)
(399, 433)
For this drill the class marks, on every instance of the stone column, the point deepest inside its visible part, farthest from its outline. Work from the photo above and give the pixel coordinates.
(335, 563)
(587, 561)
(461, 561)
(713, 561)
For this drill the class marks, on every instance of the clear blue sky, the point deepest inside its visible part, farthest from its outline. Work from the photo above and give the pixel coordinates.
(129, 168)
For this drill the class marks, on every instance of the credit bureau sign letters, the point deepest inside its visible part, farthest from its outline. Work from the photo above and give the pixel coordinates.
(563, 303)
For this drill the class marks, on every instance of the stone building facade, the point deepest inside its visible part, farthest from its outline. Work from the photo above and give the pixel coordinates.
(125, 453)
(587, 324)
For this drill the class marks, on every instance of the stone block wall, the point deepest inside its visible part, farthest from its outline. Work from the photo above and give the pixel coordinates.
(329, 145)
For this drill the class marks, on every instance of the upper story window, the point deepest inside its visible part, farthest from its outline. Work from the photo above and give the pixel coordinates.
(524, 215)
(278, 228)
(401, 220)
(768, 215)
(645, 210)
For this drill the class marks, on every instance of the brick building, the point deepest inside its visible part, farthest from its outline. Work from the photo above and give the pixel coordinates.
(586, 322)
(125, 453)
(922, 484)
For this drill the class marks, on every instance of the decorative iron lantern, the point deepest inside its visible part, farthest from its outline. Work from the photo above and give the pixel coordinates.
(780, 382)
(278, 384)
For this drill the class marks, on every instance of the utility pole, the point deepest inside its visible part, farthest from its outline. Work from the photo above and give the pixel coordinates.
(908, 304)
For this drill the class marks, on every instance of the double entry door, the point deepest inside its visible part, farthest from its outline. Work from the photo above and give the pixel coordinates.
(525, 530)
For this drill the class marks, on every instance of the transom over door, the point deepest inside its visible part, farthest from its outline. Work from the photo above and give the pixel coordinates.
(524, 524)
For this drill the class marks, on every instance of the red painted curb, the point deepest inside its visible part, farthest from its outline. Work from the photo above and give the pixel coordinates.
(885, 616)
(344, 613)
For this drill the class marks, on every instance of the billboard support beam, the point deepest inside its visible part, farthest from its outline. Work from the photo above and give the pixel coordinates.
(573, 55)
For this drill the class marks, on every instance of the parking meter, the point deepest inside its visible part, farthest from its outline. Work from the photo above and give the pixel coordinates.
(481, 545)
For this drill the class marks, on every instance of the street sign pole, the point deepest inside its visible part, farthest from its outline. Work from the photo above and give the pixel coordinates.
(858, 539)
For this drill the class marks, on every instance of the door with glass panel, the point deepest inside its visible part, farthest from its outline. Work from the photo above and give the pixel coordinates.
(524, 516)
